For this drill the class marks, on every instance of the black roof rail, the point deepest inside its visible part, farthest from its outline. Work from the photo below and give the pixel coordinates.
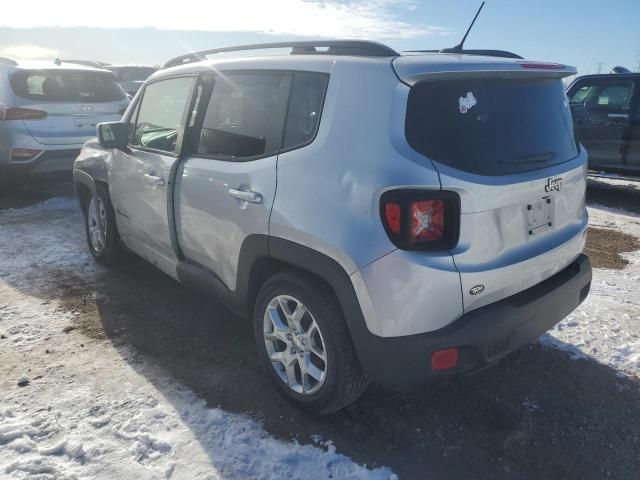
(484, 52)
(333, 47)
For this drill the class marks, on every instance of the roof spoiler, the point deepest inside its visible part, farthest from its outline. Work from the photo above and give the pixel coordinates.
(482, 52)
(333, 47)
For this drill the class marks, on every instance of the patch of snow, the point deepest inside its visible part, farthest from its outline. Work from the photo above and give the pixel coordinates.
(607, 325)
(105, 413)
(616, 180)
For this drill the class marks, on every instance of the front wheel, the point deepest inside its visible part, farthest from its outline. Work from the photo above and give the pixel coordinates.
(302, 337)
(100, 227)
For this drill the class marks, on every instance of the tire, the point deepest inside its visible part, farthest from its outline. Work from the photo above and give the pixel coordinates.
(104, 246)
(336, 381)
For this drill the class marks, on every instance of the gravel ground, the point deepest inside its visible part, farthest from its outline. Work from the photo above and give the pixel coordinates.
(538, 414)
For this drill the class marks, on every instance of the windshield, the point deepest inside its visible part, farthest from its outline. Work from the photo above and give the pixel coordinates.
(67, 86)
(491, 126)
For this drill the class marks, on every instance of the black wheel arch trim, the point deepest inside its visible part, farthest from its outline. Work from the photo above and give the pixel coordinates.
(81, 177)
(336, 277)
(286, 253)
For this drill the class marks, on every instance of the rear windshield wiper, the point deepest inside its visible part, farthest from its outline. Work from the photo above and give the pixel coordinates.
(536, 158)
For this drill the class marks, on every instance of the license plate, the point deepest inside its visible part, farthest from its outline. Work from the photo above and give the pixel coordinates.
(539, 216)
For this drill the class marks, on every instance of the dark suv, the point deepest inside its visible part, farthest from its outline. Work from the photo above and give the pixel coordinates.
(606, 114)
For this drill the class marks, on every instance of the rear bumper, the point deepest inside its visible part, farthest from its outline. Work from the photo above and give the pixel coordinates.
(483, 336)
(50, 161)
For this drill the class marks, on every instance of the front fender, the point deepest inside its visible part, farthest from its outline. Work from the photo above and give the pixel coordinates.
(93, 161)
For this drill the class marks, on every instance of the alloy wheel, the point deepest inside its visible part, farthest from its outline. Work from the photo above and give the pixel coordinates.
(295, 345)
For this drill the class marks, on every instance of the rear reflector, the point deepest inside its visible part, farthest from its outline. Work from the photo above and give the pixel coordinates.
(17, 113)
(427, 221)
(542, 65)
(444, 359)
(24, 154)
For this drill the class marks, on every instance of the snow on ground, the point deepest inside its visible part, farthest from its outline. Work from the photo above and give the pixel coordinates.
(616, 180)
(90, 410)
(607, 325)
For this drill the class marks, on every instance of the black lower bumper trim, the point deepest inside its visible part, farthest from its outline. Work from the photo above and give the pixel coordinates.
(482, 336)
(61, 159)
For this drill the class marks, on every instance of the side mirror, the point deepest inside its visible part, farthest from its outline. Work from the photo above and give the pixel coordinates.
(113, 134)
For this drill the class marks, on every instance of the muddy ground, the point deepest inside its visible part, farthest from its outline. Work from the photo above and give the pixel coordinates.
(538, 414)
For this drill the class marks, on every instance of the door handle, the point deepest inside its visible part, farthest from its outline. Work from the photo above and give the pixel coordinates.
(153, 180)
(246, 196)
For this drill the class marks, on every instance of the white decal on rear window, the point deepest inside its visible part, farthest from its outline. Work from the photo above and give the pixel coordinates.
(467, 102)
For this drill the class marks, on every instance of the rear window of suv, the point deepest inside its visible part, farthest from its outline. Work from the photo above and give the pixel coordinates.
(67, 86)
(491, 126)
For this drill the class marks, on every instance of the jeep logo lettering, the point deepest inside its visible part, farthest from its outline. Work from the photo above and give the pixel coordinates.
(476, 290)
(553, 184)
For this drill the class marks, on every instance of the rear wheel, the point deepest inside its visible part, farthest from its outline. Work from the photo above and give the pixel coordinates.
(302, 337)
(100, 227)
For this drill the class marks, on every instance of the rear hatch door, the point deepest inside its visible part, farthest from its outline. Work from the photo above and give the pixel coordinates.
(75, 101)
(501, 136)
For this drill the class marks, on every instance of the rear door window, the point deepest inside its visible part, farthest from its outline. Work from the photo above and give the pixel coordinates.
(245, 116)
(614, 94)
(491, 126)
(305, 108)
(67, 86)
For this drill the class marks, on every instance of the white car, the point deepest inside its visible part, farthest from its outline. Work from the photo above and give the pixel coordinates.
(48, 110)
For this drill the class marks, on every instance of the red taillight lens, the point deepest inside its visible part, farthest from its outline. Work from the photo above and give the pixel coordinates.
(444, 359)
(24, 154)
(427, 221)
(393, 215)
(421, 219)
(17, 113)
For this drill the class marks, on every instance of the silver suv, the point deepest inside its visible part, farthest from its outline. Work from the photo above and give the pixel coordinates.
(48, 110)
(381, 216)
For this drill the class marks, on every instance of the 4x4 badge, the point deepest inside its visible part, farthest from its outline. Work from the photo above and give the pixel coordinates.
(553, 184)
(476, 290)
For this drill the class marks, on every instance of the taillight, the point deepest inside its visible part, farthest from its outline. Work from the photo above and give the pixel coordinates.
(24, 154)
(17, 113)
(421, 219)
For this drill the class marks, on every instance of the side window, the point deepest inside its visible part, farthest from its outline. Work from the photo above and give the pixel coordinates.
(580, 95)
(610, 94)
(245, 115)
(614, 95)
(161, 111)
(305, 108)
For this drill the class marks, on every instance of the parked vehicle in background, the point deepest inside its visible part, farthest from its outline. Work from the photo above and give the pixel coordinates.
(87, 63)
(429, 215)
(606, 114)
(131, 77)
(47, 111)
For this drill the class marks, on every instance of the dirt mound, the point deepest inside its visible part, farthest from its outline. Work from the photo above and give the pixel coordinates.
(604, 247)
